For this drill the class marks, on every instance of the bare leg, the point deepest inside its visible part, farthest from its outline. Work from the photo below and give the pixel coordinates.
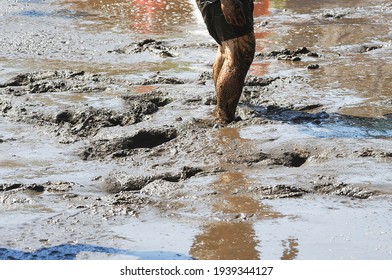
(230, 68)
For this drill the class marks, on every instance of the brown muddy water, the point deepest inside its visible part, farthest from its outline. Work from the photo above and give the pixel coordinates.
(109, 148)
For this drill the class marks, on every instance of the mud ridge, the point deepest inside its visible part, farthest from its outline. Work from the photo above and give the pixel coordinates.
(335, 14)
(156, 79)
(159, 98)
(288, 55)
(117, 182)
(324, 185)
(327, 185)
(48, 186)
(56, 81)
(152, 46)
(369, 152)
(278, 191)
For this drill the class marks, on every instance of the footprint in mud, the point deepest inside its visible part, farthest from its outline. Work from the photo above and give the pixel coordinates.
(78, 121)
(124, 146)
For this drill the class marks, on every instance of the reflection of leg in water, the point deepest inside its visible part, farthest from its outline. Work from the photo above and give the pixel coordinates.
(226, 241)
(233, 239)
(291, 249)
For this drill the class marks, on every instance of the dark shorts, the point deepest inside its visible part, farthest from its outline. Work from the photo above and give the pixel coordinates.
(217, 26)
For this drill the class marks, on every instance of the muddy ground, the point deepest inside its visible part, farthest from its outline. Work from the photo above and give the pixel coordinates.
(109, 147)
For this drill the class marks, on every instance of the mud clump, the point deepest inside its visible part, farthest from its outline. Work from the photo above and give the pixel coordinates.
(369, 152)
(334, 14)
(278, 191)
(365, 48)
(117, 182)
(20, 193)
(162, 80)
(324, 185)
(204, 77)
(288, 55)
(152, 46)
(48, 186)
(259, 81)
(329, 186)
(158, 98)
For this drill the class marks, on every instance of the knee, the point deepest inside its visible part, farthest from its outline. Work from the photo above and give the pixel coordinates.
(248, 48)
(240, 51)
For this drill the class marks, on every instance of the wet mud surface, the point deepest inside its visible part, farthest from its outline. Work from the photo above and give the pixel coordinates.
(109, 147)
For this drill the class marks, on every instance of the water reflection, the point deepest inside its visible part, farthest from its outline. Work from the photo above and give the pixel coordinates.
(291, 249)
(311, 5)
(261, 8)
(367, 74)
(233, 236)
(139, 16)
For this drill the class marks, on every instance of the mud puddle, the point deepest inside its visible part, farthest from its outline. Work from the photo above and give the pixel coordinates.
(108, 140)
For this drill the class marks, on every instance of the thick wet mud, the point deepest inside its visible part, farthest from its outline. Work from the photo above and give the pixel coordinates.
(109, 147)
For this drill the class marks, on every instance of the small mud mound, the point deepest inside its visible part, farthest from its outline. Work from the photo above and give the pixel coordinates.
(158, 98)
(369, 152)
(154, 80)
(288, 55)
(150, 45)
(117, 182)
(26, 194)
(48, 186)
(335, 14)
(259, 81)
(123, 146)
(323, 186)
(330, 186)
(368, 48)
(204, 77)
(278, 191)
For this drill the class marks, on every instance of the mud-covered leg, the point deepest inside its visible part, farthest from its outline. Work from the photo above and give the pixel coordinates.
(219, 59)
(237, 55)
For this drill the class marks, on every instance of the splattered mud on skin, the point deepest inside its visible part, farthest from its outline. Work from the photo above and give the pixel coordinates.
(110, 149)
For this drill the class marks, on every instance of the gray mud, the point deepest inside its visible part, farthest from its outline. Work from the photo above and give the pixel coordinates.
(109, 147)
